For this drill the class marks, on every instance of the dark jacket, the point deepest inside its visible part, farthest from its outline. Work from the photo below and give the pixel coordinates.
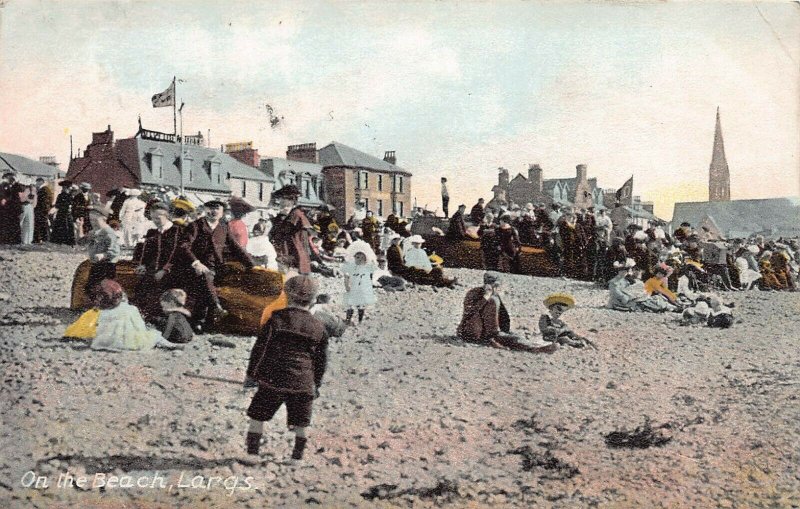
(159, 249)
(482, 319)
(198, 242)
(457, 228)
(291, 353)
(477, 214)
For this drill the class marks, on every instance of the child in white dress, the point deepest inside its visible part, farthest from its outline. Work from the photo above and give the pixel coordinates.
(358, 284)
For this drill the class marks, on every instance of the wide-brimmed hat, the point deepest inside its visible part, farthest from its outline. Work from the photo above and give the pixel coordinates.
(301, 288)
(287, 191)
(181, 204)
(133, 192)
(563, 299)
(240, 205)
(65, 183)
(359, 246)
(416, 239)
(107, 294)
(214, 203)
(158, 205)
(627, 264)
(86, 186)
(9, 174)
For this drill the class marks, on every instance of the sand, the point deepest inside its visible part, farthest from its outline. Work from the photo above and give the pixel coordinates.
(407, 416)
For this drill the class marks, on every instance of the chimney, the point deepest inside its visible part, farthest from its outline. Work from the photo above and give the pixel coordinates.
(536, 177)
(307, 152)
(503, 178)
(580, 174)
(248, 156)
(389, 157)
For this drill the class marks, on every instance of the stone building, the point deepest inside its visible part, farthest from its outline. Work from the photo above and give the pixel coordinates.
(151, 159)
(719, 179)
(351, 176)
(579, 191)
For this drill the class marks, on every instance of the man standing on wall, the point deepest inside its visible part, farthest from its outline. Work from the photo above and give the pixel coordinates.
(445, 198)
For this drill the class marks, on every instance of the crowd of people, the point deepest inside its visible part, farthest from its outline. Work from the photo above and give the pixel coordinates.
(179, 251)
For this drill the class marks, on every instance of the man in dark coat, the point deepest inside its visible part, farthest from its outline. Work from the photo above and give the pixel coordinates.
(10, 209)
(288, 362)
(80, 210)
(458, 228)
(485, 319)
(477, 213)
(63, 224)
(290, 231)
(201, 253)
(41, 212)
(155, 260)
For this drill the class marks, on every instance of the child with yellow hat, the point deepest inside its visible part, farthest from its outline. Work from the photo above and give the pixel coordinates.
(551, 326)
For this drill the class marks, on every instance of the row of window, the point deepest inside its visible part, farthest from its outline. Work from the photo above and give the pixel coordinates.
(398, 207)
(156, 163)
(363, 182)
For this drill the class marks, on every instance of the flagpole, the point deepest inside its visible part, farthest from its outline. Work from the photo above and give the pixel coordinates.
(181, 149)
(174, 105)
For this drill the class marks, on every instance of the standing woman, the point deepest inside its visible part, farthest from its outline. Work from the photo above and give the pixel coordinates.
(510, 246)
(291, 231)
(27, 197)
(41, 211)
(239, 208)
(63, 226)
(132, 217)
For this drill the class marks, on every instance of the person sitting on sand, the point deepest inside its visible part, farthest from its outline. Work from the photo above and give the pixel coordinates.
(626, 291)
(176, 326)
(288, 361)
(414, 265)
(486, 321)
(119, 324)
(382, 278)
(657, 284)
(552, 328)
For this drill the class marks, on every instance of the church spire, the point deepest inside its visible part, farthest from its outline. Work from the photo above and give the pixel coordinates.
(719, 180)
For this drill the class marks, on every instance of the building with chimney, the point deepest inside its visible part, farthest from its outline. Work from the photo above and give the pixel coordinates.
(719, 179)
(579, 191)
(151, 159)
(351, 176)
(301, 168)
(45, 167)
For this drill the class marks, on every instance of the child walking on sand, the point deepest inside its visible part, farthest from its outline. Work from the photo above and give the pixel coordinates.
(358, 282)
(288, 361)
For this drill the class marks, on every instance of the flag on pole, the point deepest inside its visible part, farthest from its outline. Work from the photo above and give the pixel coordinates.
(165, 98)
(625, 193)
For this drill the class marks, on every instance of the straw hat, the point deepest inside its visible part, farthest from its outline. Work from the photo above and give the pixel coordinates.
(240, 205)
(560, 298)
(416, 239)
(181, 204)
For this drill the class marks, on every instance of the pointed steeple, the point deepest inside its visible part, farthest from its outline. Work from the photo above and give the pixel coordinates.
(719, 180)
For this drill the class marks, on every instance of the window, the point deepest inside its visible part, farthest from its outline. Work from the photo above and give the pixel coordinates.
(187, 163)
(244, 188)
(363, 180)
(401, 211)
(261, 191)
(398, 183)
(380, 204)
(380, 183)
(306, 188)
(366, 204)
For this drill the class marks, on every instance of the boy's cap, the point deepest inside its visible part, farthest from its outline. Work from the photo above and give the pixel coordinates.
(301, 288)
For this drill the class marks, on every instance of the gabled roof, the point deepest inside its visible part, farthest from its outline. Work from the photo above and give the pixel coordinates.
(275, 165)
(336, 154)
(740, 218)
(549, 184)
(137, 159)
(26, 166)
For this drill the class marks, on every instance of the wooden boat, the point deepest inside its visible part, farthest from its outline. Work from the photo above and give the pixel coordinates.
(245, 294)
(467, 254)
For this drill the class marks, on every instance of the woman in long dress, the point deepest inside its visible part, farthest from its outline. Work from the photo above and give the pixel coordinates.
(63, 226)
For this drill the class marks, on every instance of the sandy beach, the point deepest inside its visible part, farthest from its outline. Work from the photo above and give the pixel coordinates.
(408, 416)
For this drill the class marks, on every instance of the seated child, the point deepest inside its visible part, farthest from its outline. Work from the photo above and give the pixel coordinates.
(119, 325)
(552, 328)
(382, 278)
(176, 328)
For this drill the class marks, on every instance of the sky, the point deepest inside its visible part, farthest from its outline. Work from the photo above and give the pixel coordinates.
(457, 89)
